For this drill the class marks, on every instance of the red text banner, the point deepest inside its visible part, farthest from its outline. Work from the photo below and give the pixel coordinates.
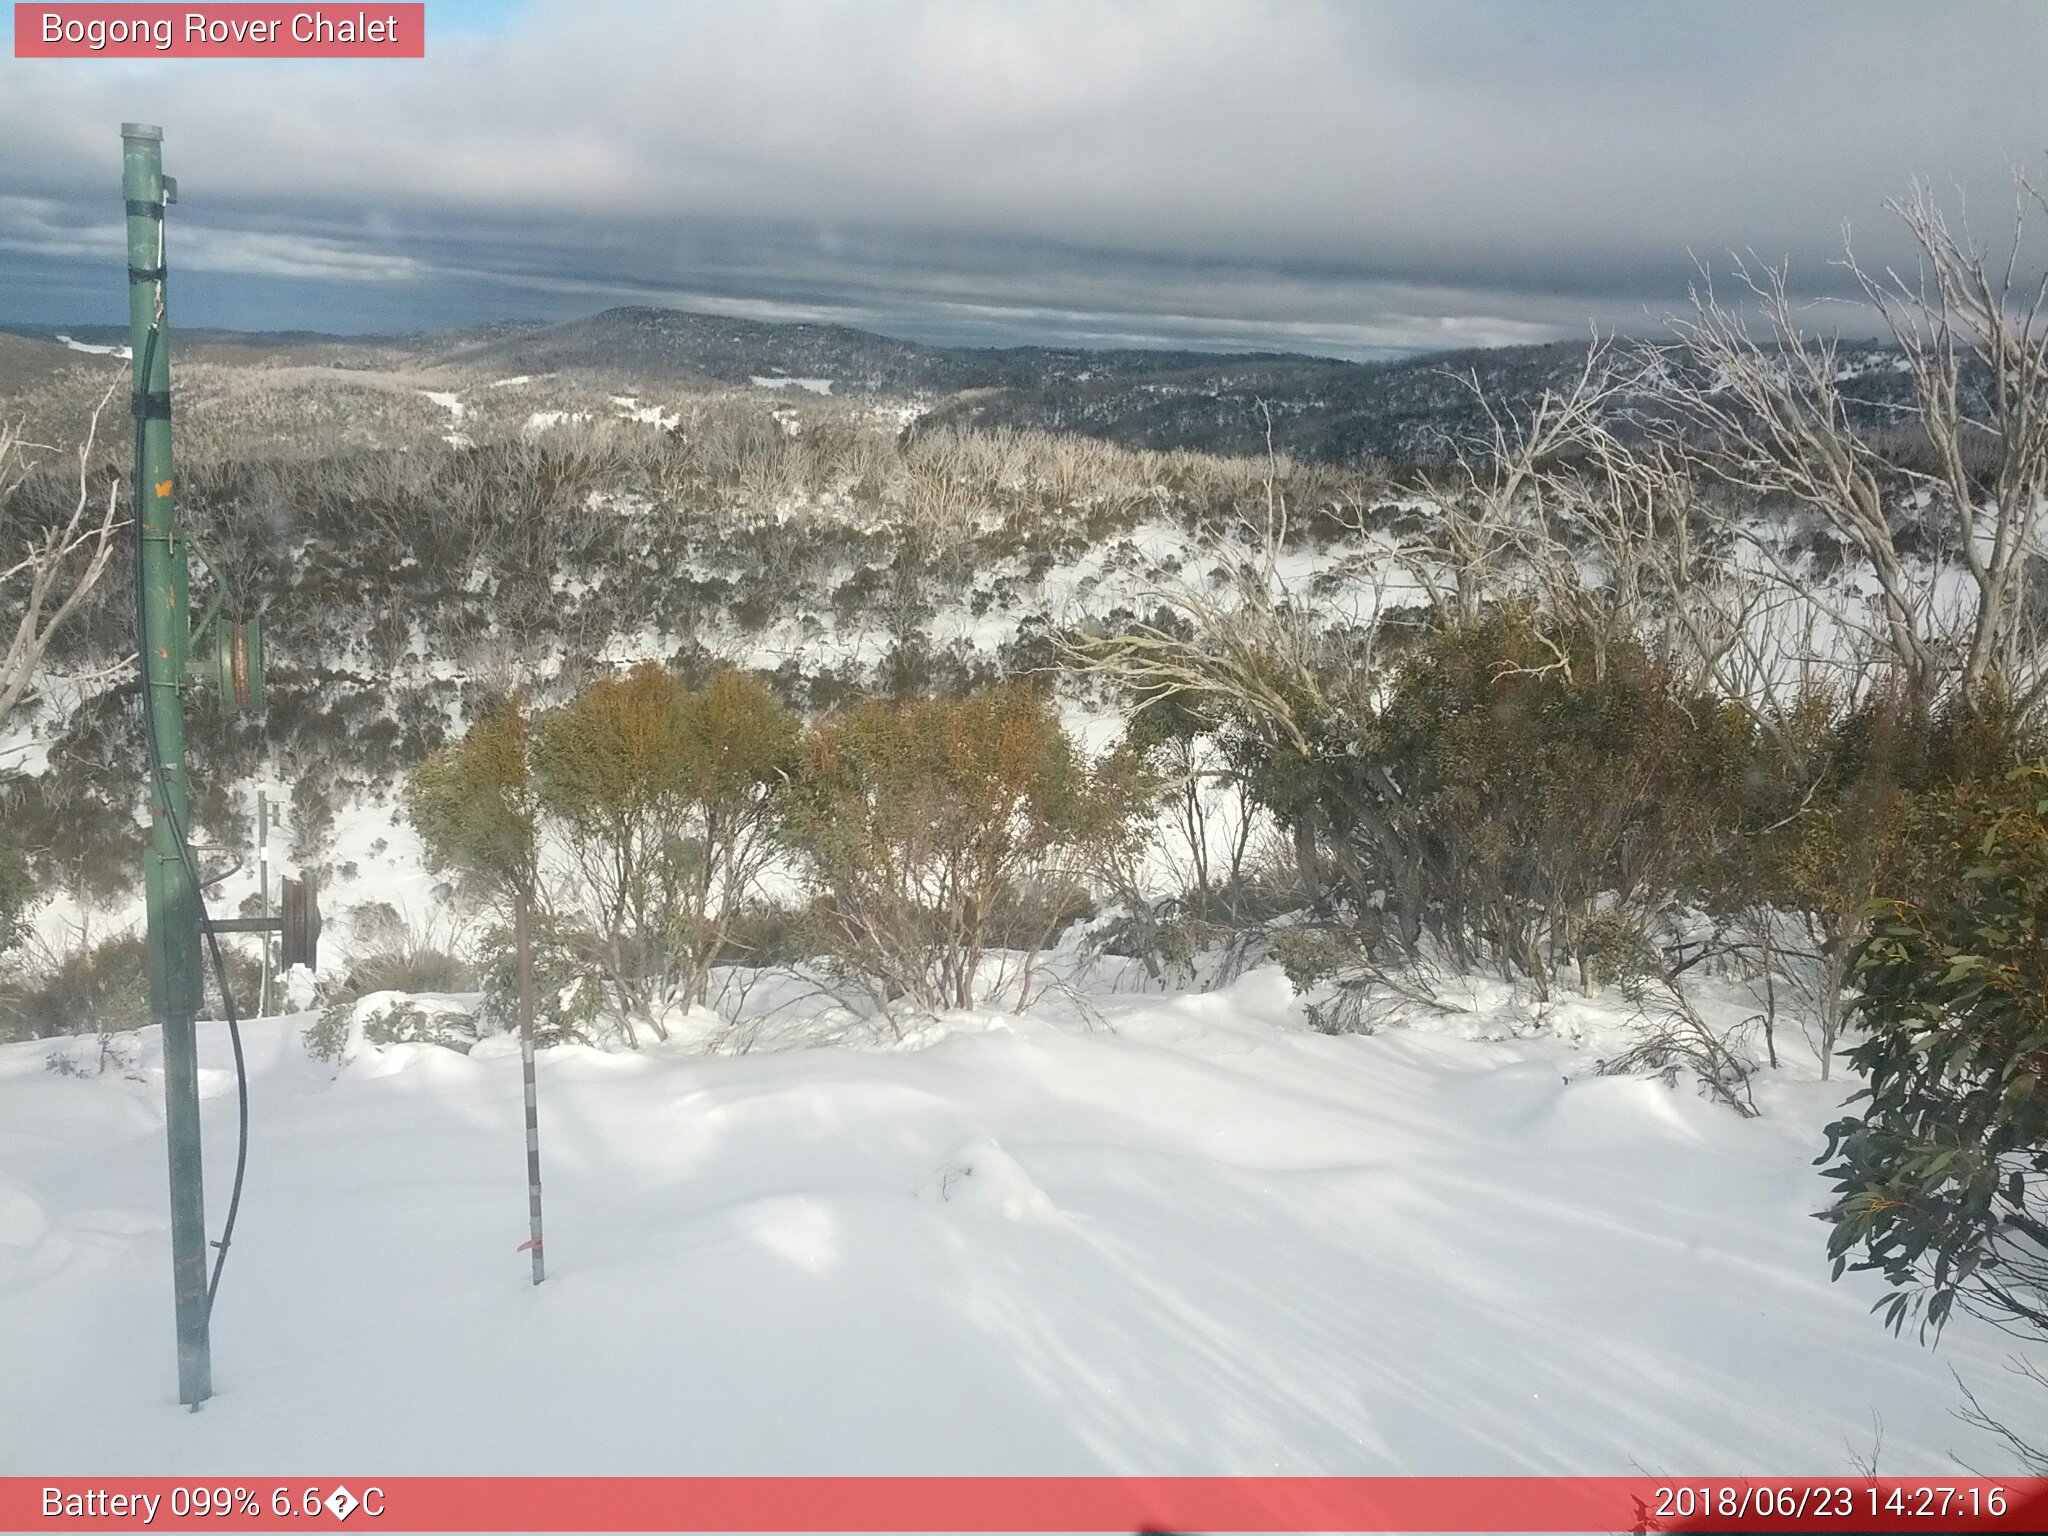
(218, 31)
(1607, 1504)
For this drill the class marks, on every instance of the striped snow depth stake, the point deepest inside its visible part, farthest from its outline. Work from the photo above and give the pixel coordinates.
(524, 941)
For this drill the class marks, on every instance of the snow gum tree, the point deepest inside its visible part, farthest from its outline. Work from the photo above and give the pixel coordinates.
(607, 768)
(740, 748)
(474, 806)
(666, 799)
(936, 829)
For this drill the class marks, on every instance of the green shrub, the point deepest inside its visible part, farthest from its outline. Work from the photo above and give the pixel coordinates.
(1620, 951)
(326, 1038)
(1515, 783)
(764, 934)
(18, 896)
(404, 1021)
(411, 968)
(245, 978)
(1310, 956)
(87, 991)
(73, 832)
(1823, 820)
(1941, 1181)
(568, 989)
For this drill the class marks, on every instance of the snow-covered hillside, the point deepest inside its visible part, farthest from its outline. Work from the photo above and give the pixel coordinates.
(1174, 1234)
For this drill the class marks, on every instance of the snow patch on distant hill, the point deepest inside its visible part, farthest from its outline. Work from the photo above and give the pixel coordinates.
(654, 415)
(541, 421)
(97, 351)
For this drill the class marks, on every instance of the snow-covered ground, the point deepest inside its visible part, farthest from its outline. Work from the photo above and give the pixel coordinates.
(1177, 1234)
(652, 415)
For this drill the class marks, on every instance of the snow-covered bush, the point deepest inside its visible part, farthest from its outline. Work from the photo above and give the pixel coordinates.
(1347, 990)
(1672, 1037)
(421, 1021)
(380, 1019)
(327, 1037)
(569, 1001)
(112, 1052)
(58, 530)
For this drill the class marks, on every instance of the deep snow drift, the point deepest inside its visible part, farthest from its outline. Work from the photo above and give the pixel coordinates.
(1183, 1235)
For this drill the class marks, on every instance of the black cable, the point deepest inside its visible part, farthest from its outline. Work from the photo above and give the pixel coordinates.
(185, 854)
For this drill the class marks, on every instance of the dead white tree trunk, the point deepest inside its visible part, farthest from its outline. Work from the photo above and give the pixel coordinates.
(1486, 502)
(1769, 407)
(52, 568)
(1974, 336)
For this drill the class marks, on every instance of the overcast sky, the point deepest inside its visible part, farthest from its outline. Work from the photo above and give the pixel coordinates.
(1348, 178)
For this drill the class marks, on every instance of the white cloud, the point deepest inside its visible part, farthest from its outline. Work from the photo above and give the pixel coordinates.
(1512, 153)
(37, 227)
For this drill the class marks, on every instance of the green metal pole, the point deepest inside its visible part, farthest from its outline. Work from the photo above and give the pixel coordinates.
(263, 896)
(163, 601)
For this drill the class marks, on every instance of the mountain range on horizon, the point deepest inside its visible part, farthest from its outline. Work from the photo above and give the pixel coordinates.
(1320, 408)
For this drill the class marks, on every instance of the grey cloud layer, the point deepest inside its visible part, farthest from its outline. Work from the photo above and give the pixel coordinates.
(1341, 177)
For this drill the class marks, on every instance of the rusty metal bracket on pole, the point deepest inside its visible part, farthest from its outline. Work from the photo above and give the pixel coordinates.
(297, 922)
